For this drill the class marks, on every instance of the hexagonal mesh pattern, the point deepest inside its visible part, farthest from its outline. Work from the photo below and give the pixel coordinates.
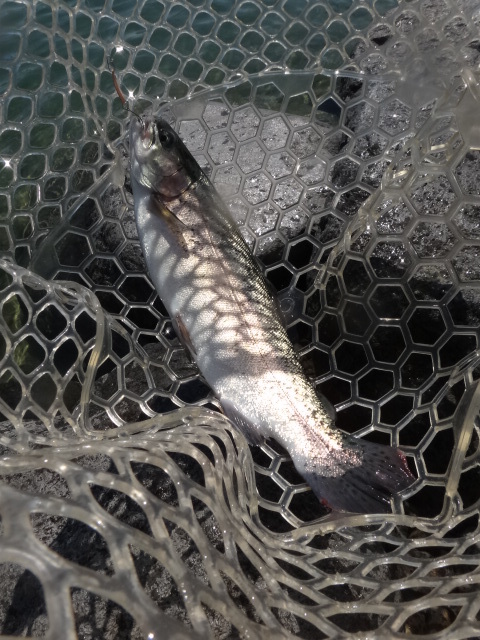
(119, 521)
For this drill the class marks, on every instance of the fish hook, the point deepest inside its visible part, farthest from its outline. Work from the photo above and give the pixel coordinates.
(123, 100)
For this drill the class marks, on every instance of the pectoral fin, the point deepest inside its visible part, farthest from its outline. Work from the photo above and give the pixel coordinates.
(175, 226)
(290, 305)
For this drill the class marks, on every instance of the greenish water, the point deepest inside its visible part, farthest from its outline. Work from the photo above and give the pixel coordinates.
(168, 19)
(179, 30)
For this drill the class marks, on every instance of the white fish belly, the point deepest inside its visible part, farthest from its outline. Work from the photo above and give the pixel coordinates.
(240, 345)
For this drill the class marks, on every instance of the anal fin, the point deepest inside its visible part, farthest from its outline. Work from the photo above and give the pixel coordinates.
(182, 333)
(250, 432)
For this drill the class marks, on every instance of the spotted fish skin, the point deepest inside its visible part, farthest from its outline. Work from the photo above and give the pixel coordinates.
(222, 306)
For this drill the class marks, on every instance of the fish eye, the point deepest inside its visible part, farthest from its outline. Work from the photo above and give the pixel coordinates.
(166, 138)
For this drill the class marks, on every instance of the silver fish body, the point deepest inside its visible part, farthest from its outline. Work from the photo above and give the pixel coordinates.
(217, 296)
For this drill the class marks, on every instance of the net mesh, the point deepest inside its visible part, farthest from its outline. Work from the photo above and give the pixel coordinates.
(120, 518)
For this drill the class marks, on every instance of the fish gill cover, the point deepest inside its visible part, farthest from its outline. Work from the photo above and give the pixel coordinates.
(344, 137)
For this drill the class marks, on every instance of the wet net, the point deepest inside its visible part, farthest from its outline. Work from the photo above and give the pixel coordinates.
(344, 138)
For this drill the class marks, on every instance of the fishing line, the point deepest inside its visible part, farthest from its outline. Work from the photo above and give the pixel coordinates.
(123, 100)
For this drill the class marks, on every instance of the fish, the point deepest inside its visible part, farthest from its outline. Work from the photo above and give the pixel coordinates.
(225, 313)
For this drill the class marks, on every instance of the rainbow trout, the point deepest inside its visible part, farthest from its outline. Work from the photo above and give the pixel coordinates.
(225, 313)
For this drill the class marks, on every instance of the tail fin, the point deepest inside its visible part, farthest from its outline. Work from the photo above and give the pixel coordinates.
(365, 486)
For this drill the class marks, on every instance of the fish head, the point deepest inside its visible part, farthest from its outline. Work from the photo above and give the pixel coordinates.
(159, 160)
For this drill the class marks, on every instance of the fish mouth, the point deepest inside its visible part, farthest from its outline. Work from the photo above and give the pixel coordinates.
(143, 128)
(147, 131)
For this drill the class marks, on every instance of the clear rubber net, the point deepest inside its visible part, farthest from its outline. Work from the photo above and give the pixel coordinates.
(344, 138)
